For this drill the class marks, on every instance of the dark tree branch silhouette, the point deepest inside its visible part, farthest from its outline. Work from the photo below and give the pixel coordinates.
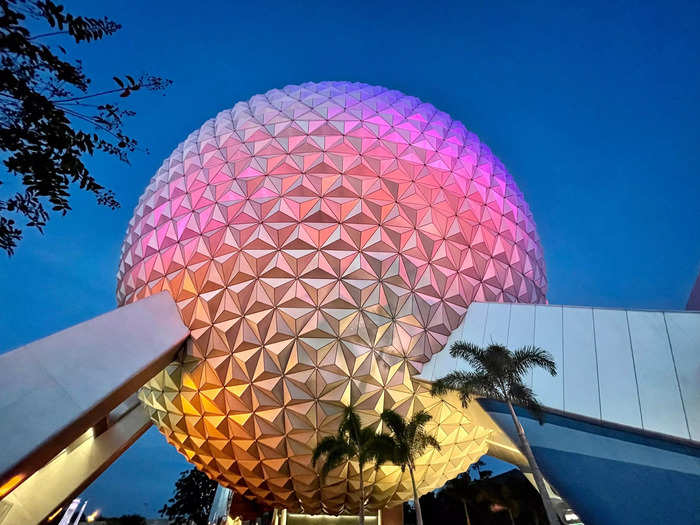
(194, 494)
(48, 121)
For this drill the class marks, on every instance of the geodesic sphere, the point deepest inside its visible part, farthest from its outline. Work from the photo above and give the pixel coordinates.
(321, 242)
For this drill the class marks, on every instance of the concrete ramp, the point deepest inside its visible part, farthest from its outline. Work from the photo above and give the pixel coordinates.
(71, 388)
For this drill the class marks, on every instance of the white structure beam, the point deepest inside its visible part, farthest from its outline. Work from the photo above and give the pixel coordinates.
(57, 388)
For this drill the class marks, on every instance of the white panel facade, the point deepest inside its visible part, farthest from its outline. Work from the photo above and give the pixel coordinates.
(497, 319)
(684, 334)
(548, 335)
(521, 330)
(662, 409)
(580, 368)
(633, 368)
(441, 365)
(475, 322)
(619, 399)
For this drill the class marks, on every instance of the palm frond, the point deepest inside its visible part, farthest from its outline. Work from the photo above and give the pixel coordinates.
(452, 381)
(423, 441)
(325, 446)
(524, 396)
(431, 441)
(467, 385)
(350, 424)
(471, 353)
(402, 452)
(415, 433)
(420, 418)
(394, 422)
(496, 360)
(529, 357)
(334, 458)
(497, 348)
(345, 445)
(407, 440)
(380, 449)
(367, 436)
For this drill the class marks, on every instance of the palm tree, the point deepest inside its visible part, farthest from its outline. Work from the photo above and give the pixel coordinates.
(352, 441)
(502, 499)
(498, 374)
(409, 440)
(463, 487)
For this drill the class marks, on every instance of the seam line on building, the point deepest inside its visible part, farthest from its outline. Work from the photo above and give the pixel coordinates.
(597, 371)
(510, 313)
(534, 338)
(486, 320)
(563, 375)
(634, 369)
(675, 369)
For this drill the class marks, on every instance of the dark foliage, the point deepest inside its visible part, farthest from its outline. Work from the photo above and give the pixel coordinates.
(194, 494)
(50, 119)
(488, 499)
(409, 439)
(352, 441)
(126, 519)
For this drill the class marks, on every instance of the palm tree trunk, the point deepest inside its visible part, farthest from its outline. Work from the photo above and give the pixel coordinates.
(362, 498)
(466, 512)
(539, 479)
(419, 514)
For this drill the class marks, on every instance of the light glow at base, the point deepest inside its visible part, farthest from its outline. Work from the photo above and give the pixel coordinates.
(52, 516)
(11, 484)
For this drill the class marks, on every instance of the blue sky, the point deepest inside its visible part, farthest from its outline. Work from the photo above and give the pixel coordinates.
(594, 110)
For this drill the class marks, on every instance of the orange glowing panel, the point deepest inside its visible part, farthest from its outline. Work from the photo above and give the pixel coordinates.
(11, 484)
(322, 241)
